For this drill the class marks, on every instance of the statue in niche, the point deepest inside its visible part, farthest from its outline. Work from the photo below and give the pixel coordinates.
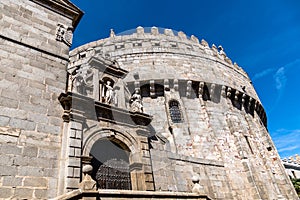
(108, 92)
(135, 102)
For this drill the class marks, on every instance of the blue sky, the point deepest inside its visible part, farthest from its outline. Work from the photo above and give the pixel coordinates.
(263, 37)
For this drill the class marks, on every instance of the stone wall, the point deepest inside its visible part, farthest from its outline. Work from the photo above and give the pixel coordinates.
(32, 75)
(219, 133)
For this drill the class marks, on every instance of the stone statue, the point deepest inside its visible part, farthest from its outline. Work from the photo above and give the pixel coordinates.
(108, 92)
(83, 81)
(136, 102)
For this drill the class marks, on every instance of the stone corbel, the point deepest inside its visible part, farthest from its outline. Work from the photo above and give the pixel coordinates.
(229, 92)
(212, 91)
(249, 103)
(166, 85)
(223, 91)
(201, 90)
(136, 85)
(243, 98)
(236, 96)
(152, 89)
(201, 85)
(189, 89)
(176, 84)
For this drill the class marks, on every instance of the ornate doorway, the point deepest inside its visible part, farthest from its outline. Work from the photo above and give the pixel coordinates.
(111, 164)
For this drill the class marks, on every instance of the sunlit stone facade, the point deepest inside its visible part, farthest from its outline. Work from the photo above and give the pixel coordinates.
(148, 114)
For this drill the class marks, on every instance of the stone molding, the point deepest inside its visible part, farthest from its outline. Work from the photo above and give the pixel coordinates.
(89, 108)
(131, 194)
(239, 99)
(63, 7)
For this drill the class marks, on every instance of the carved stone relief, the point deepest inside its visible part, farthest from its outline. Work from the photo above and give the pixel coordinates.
(135, 102)
(82, 81)
(64, 34)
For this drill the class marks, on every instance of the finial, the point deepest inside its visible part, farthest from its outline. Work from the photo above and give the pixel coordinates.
(112, 33)
(204, 43)
(181, 35)
(214, 48)
(154, 30)
(194, 39)
(221, 51)
(168, 32)
(140, 30)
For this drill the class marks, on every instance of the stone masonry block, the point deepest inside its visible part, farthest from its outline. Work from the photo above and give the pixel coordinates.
(75, 143)
(77, 152)
(8, 170)
(4, 120)
(48, 153)
(6, 193)
(56, 121)
(16, 95)
(50, 172)
(32, 108)
(35, 182)
(12, 181)
(75, 125)
(45, 128)
(30, 151)
(40, 193)
(72, 133)
(72, 182)
(22, 124)
(74, 162)
(30, 171)
(6, 159)
(10, 149)
(71, 151)
(38, 118)
(11, 103)
(76, 172)
(11, 112)
(23, 193)
(70, 173)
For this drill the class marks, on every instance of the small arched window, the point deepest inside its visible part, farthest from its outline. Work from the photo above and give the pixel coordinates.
(174, 110)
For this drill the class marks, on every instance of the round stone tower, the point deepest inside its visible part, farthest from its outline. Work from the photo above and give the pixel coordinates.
(177, 108)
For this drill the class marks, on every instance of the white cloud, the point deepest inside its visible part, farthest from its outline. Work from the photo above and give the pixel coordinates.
(287, 142)
(280, 78)
(263, 73)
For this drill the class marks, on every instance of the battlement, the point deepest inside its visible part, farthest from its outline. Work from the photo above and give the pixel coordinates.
(292, 160)
(156, 40)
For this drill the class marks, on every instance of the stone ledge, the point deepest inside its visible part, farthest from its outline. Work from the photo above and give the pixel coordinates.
(132, 194)
(202, 161)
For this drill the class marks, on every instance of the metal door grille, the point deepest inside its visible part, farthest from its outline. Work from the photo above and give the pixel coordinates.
(114, 174)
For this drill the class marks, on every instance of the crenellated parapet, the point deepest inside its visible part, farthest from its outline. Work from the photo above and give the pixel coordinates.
(156, 40)
(155, 56)
(292, 166)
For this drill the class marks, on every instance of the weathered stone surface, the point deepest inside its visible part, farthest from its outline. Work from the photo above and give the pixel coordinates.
(32, 70)
(200, 120)
(36, 182)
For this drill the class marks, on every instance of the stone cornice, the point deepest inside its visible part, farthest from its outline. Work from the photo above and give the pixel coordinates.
(82, 107)
(63, 7)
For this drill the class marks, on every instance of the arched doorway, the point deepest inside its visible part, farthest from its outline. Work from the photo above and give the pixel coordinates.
(111, 163)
